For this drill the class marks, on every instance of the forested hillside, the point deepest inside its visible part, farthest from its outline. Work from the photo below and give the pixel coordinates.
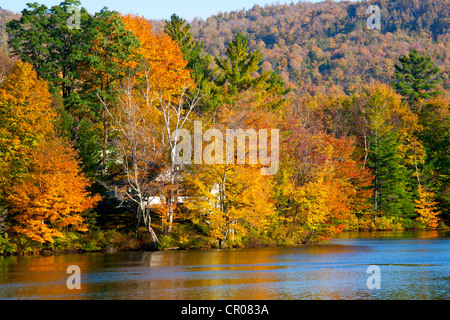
(5, 17)
(327, 46)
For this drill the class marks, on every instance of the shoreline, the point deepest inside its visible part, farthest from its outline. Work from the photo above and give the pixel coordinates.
(148, 248)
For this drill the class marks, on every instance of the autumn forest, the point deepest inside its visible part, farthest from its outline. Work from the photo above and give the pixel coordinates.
(88, 115)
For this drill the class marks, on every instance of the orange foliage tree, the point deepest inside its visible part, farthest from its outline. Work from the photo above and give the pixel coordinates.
(53, 196)
(162, 80)
(43, 185)
(162, 71)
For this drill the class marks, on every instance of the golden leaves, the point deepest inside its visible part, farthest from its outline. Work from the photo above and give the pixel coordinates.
(44, 186)
(163, 67)
(53, 196)
(427, 209)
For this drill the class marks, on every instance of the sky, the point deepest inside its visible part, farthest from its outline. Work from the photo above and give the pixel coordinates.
(154, 9)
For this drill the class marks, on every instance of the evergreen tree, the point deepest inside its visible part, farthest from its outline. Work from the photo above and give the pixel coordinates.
(435, 118)
(108, 60)
(414, 78)
(237, 72)
(42, 38)
(380, 110)
(239, 65)
(199, 62)
(391, 181)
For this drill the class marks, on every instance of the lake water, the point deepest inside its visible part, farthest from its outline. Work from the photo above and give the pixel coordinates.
(413, 265)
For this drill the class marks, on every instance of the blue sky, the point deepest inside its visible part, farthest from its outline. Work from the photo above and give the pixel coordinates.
(154, 9)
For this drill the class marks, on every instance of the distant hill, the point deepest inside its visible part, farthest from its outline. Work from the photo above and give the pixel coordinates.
(5, 17)
(327, 45)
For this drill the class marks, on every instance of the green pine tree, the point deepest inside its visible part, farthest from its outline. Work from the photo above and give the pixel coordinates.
(239, 65)
(392, 181)
(199, 62)
(239, 70)
(414, 78)
(391, 178)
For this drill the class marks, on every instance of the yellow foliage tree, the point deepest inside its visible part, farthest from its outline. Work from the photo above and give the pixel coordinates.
(26, 118)
(229, 200)
(426, 208)
(226, 197)
(319, 187)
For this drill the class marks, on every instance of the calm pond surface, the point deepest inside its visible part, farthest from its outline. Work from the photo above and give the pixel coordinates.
(413, 265)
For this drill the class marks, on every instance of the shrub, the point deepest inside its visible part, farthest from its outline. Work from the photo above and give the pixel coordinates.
(6, 247)
(70, 242)
(166, 242)
(389, 223)
(26, 246)
(90, 245)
